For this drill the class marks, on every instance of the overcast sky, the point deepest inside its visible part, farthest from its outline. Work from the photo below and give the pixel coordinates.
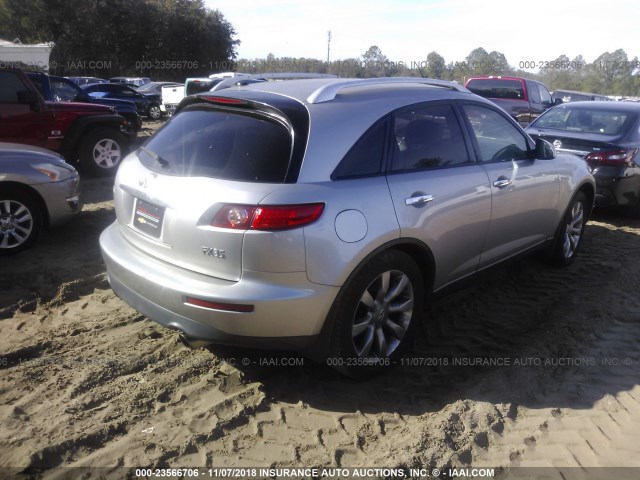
(407, 30)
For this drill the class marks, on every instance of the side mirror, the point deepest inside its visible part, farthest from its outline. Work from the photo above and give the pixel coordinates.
(28, 97)
(557, 101)
(544, 150)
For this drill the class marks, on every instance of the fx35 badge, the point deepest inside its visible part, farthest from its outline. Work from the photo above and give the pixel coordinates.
(213, 252)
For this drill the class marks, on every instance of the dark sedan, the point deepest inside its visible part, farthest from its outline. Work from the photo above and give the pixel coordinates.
(146, 104)
(156, 87)
(607, 136)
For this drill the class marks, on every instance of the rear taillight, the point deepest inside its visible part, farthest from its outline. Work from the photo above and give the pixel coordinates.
(268, 217)
(616, 158)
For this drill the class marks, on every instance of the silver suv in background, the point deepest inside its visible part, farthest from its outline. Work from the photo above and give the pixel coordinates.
(319, 214)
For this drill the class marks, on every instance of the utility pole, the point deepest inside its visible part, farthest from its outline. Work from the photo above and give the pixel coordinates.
(328, 46)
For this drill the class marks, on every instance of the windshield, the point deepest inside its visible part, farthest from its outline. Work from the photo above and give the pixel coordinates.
(497, 88)
(214, 143)
(604, 122)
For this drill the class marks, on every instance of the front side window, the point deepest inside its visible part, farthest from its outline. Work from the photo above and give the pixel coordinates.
(223, 144)
(427, 137)
(63, 92)
(534, 93)
(545, 96)
(497, 138)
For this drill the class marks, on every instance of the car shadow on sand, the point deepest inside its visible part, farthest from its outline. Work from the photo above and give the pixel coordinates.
(523, 333)
(63, 265)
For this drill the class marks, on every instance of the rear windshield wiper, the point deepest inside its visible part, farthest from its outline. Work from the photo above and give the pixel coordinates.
(161, 161)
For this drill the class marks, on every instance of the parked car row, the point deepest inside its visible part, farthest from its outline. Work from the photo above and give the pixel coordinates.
(321, 214)
(93, 136)
(60, 89)
(147, 104)
(606, 135)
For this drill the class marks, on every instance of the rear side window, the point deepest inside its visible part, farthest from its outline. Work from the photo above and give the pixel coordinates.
(221, 144)
(365, 158)
(497, 88)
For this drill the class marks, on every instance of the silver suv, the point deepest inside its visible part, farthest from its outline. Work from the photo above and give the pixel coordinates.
(319, 214)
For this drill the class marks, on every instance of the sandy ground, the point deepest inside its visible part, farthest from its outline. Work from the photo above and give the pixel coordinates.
(87, 381)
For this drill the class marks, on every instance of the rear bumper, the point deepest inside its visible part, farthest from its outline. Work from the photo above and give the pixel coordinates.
(616, 188)
(289, 311)
(169, 108)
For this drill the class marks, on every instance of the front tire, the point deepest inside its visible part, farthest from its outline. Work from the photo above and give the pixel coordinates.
(101, 152)
(376, 314)
(570, 232)
(20, 221)
(155, 113)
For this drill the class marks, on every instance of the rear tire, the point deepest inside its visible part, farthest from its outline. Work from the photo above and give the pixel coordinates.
(375, 315)
(101, 152)
(570, 232)
(20, 220)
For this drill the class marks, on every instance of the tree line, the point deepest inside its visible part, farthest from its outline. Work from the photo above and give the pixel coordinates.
(609, 74)
(175, 39)
(165, 39)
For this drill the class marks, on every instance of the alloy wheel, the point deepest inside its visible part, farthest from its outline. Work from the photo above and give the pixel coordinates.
(383, 315)
(16, 224)
(573, 230)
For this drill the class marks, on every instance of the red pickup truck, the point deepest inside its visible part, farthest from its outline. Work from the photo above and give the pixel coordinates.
(521, 98)
(92, 134)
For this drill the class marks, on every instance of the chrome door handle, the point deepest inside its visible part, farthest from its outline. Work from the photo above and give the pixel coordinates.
(418, 200)
(502, 182)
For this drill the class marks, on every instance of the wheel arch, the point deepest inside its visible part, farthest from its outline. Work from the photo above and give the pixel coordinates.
(82, 126)
(417, 250)
(589, 190)
(33, 193)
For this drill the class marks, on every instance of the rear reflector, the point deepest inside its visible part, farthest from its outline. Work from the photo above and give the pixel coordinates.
(267, 217)
(617, 158)
(228, 307)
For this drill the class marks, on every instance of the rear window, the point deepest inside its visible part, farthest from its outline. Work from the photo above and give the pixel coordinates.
(199, 86)
(10, 87)
(216, 143)
(567, 97)
(497, 88)
(604, 122)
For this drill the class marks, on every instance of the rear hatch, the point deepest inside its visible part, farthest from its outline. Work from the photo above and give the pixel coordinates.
(580, 144)
(213, 156)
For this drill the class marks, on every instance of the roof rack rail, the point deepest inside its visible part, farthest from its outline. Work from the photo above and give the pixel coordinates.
(249, 78)
(326, 93)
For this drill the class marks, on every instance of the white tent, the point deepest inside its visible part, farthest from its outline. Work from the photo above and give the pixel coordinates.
(32, 55)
